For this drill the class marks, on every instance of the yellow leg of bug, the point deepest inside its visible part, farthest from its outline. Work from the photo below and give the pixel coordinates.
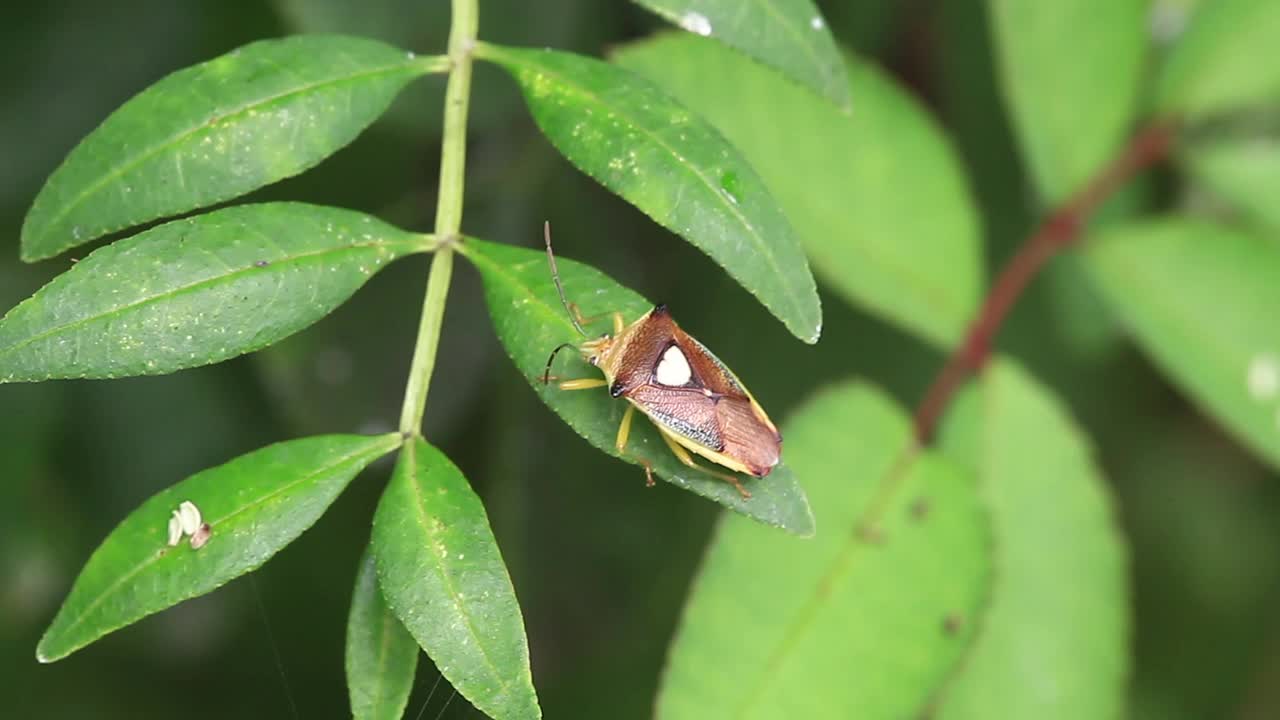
(683, 456)
(624, 428)
(618, 324)
(624, 432)
(582, 384)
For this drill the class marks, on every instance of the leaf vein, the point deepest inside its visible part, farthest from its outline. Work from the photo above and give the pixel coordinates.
(681, 161)
(463, 611)
(232, 113)
(176, 292)
(155, 557)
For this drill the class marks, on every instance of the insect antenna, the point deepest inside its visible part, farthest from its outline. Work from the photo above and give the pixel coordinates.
(546, 374)
(555, 276)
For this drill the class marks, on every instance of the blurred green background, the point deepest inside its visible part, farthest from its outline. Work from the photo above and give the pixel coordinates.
(600, 563)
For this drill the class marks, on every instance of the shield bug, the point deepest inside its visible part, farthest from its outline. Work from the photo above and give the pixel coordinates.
(698, 405)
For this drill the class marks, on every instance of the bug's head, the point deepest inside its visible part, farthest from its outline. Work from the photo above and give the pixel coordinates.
(593, 351)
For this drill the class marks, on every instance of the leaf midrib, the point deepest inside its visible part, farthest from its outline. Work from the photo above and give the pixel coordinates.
(191, 287)
(422, 520)
(385, 617)
(233, 113)
(881, 497)
(796, 34)
(733, 209)
(157, 556)
(799, 37)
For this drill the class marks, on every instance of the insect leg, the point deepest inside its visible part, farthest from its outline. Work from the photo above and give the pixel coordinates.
(583, 384)
(624, 428)
(683, 456)
(624, 432)
(546, 373)
(618, 323)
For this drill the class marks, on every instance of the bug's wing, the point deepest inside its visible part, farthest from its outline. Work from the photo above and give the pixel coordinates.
(747, 419)
(688, 413)
(746, 438)
(727, 426)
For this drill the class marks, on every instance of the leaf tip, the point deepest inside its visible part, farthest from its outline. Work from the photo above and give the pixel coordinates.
(839, 95)
(806, 323)
(31, 237)
(805, 525)
(807, 529)
(33, 250)
(26, 252)
(44, 655)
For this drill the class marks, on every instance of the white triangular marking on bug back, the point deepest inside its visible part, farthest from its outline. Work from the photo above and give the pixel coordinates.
(673, 369)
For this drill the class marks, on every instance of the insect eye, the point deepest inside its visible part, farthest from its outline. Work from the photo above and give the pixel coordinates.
(594, 360)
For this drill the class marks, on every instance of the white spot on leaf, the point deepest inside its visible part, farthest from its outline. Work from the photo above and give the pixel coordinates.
(175, 529)
(1264, 376)
(816, 23)
(1167, 21)
(189, 517)
(696, 23)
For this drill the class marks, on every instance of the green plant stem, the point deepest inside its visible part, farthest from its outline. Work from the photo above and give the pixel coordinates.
(453, 160)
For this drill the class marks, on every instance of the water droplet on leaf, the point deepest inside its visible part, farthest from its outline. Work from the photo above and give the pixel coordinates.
(1263, 378)
(696, 23)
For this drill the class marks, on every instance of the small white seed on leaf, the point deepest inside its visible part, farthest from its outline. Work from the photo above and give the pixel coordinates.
(1264, 376)
(190, 515)
(175, 529)
(696, 23)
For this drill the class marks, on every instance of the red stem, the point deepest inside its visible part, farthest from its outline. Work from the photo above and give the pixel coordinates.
(1059, 230)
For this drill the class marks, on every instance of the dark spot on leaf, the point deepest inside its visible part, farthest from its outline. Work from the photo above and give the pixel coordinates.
(871, 534)
(952, 624)
(261, 263)
(920, 509)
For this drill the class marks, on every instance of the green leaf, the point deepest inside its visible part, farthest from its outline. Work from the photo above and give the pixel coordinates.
(635, 140)
(441, 573)
(1070, 71)
(217, 130)
(1200, 298)
(254, 505)
(382, 656)
(1222, 61)
(196, 291)
(1243, 172)
(1054, 640)
(877, 197)
(790, 35)
(865, 620)
(530, 322)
